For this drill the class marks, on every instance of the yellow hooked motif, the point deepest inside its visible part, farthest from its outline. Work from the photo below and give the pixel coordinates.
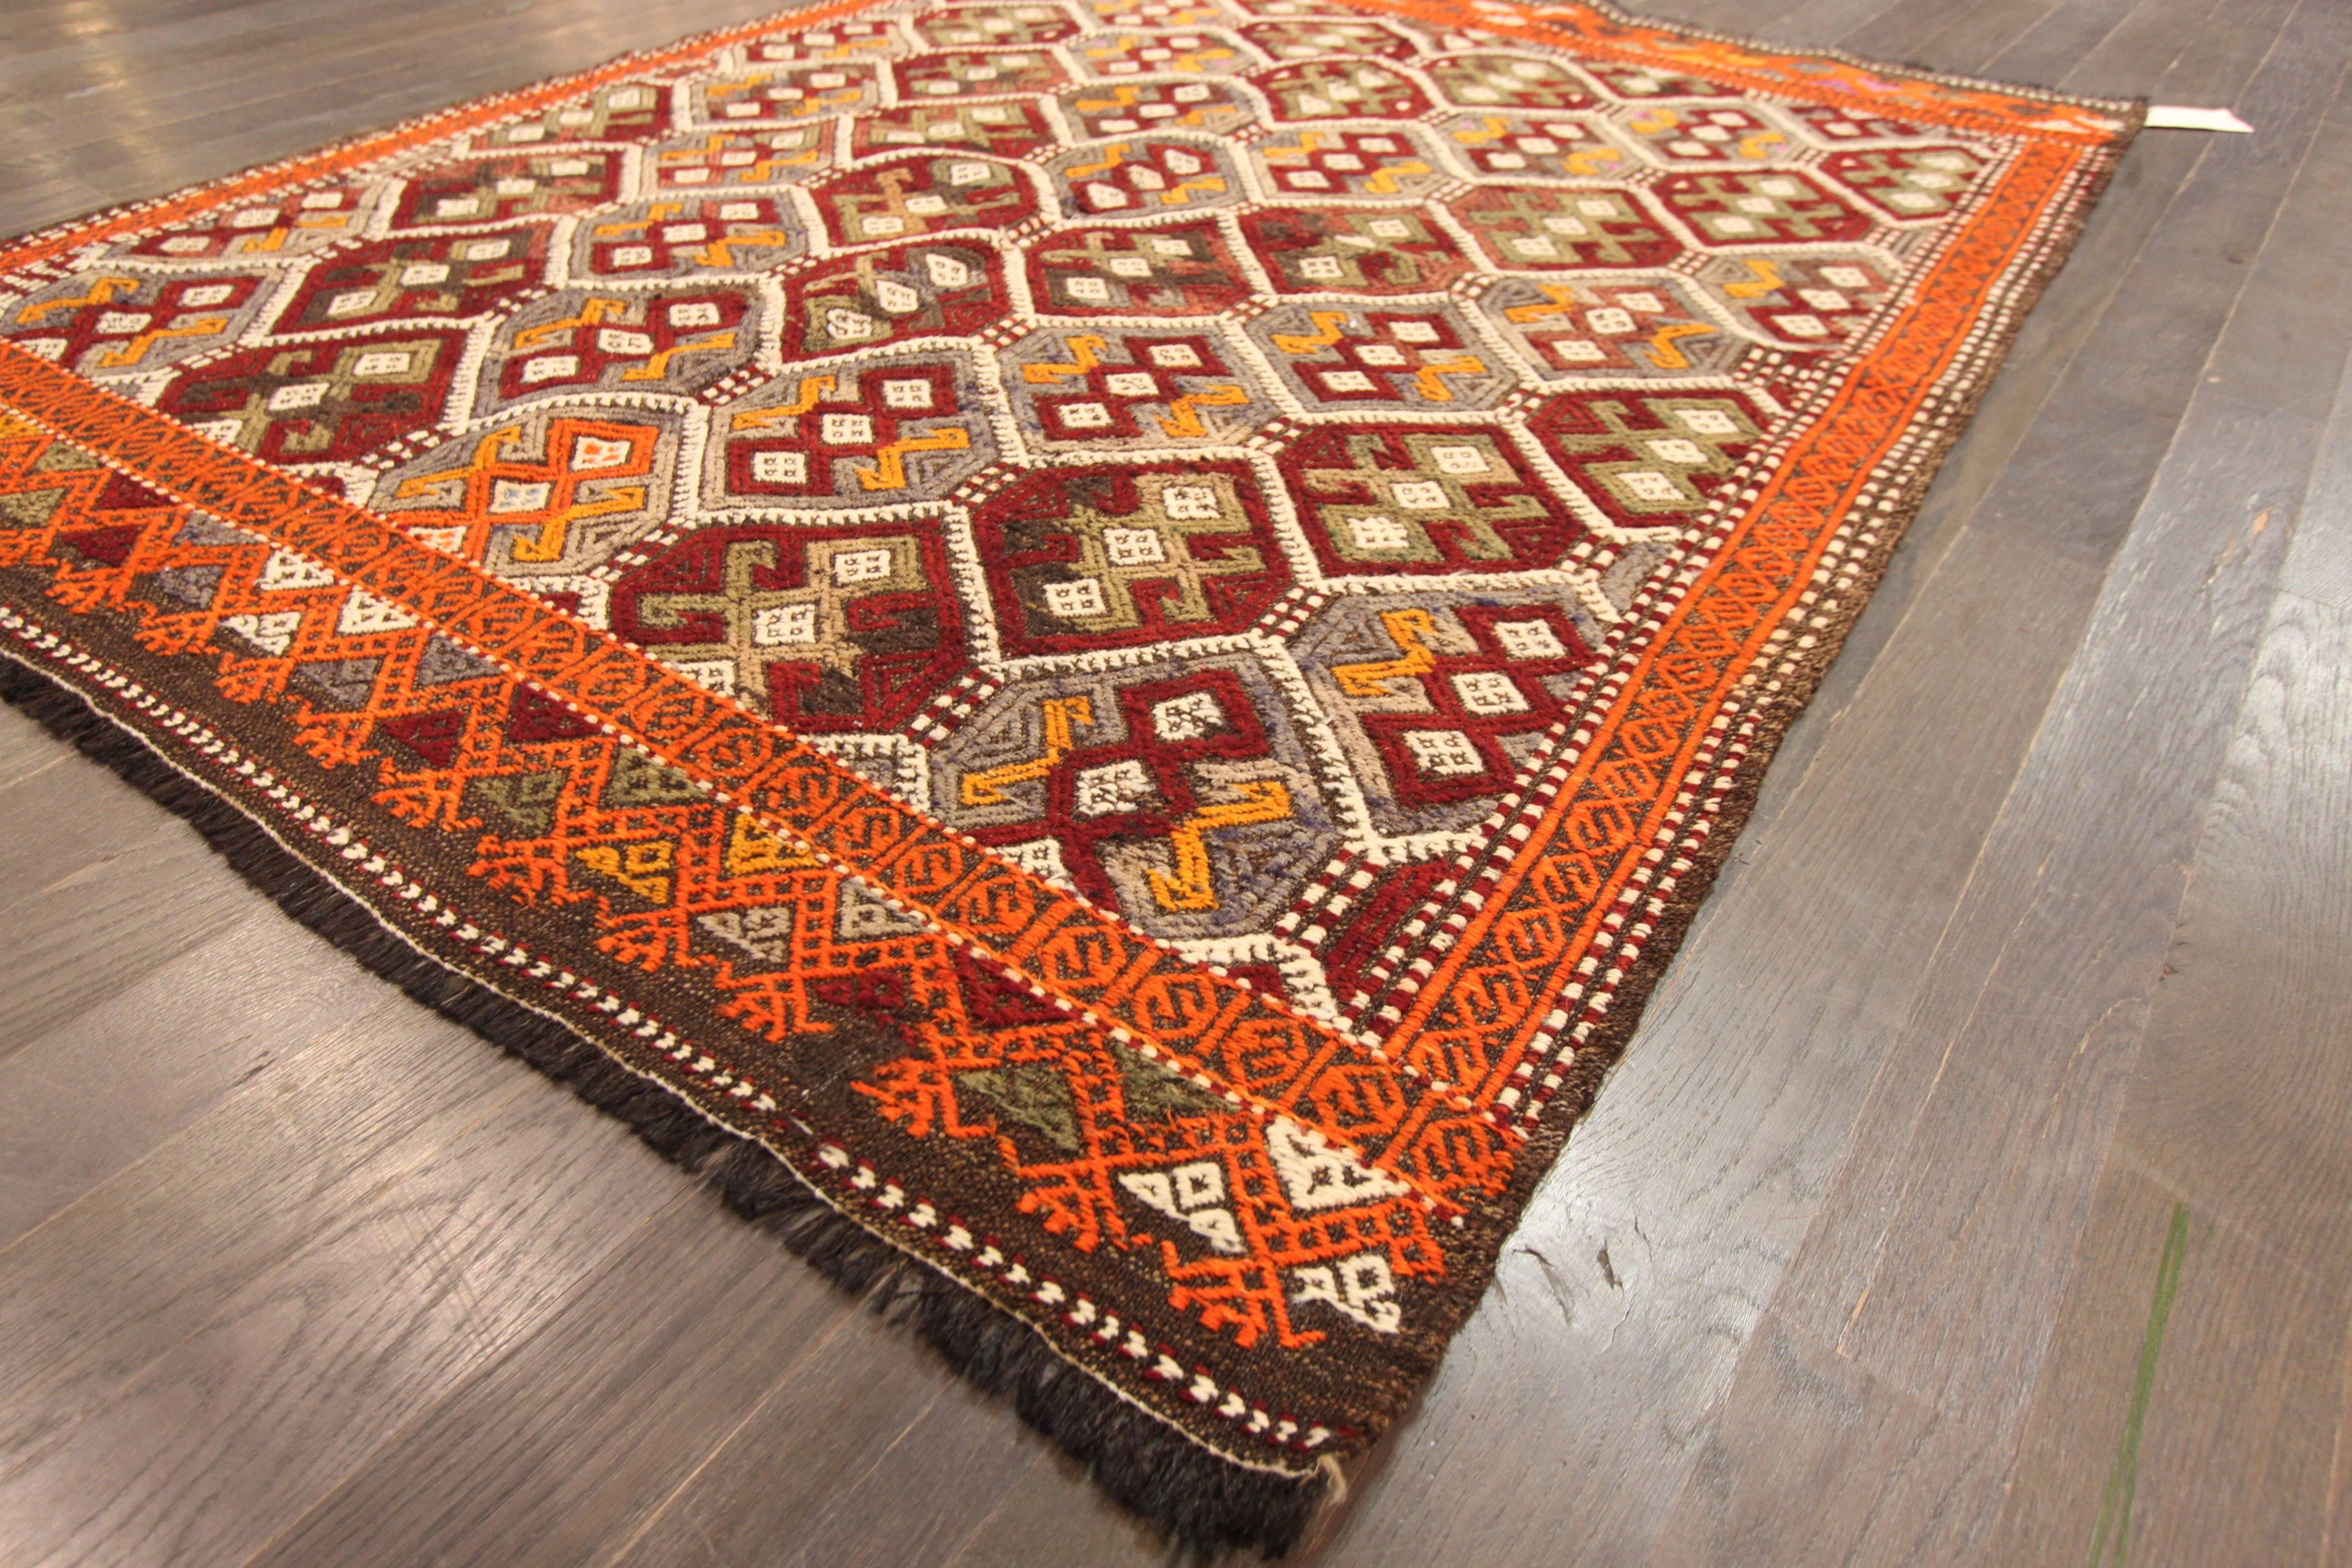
(1331, 326)
(1663, 353)
(1383, 182)
(1262, 800)
(102, 291)
(890, 472)
(1062, 716)
(718, 252)
(1113, 156)
(132, 351)
(1180, 421)
(1436, 391)
(657, 367)
(1560, 300)
(1085, 352)
(1765, 280)
(811, 388)
(753, 173)
(1410, 630)
(593, 314)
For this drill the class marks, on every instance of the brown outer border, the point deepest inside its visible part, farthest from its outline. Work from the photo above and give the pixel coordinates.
(1774, 715)
(1799, 677)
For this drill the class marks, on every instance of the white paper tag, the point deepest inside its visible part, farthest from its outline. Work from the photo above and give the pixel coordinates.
(2179, 117)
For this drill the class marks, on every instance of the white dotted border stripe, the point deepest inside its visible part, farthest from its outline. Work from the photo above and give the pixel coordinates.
(865, 1186)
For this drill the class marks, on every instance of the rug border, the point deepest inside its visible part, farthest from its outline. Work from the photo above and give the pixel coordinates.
(1207, 1498)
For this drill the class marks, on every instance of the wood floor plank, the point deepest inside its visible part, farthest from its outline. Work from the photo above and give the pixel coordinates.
(2060, 41)
(568, 1445)
(2225, 1453)
(257, 991)
(1737, 1501)
(300, 1372)
(2153, 44)
(111, 1283)
(1965, 37)
(770, 1497)
(109, 888)
(26, 749)
(2238, 1112)
(2319, 558)
(1829, 21)
(37, 23)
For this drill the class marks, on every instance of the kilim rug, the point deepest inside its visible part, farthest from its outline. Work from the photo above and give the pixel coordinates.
(1094, 647)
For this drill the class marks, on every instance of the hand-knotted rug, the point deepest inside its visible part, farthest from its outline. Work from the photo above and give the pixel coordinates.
(1094, 648)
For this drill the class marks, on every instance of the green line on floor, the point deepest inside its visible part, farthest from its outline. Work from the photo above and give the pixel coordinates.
(2115, 1507)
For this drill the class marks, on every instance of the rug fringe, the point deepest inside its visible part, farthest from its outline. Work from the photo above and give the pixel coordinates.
(1199, 1499)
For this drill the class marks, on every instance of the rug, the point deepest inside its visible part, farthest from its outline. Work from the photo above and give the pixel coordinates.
(1090, 649)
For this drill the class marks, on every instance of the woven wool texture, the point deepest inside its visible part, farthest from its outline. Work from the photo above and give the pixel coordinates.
(1115, 638)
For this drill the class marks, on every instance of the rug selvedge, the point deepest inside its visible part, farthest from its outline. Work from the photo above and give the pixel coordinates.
(1122, 636)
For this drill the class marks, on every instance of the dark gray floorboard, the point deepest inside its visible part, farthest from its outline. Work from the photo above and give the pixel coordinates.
(1880, 1188)
(2235, 1117)
(529, 1464)
(26, 749)
(103, 891)
(2030, 1025)
(291, 993)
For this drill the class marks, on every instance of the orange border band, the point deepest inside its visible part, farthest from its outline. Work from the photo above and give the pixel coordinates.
(1197, 1020)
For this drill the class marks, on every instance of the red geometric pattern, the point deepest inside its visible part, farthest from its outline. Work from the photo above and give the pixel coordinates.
(1111, 631)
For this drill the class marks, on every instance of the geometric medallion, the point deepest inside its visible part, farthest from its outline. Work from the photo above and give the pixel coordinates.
(549, 493)
(1117, 555)
(1362, 250)
(1179, 793)
(1640, 324)
(945, 288)
(1440, 698)
(1812, 299)
(1418, 354)
(1110, 388)
(821, 629)
(677, 341)
(1167, 269)
(113, 322)
(904, 427)
(1385, 498)
(1650, 459)
(320, 402)
(1547, 230)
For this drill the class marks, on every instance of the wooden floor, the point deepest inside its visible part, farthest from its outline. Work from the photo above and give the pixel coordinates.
(1976, 1190)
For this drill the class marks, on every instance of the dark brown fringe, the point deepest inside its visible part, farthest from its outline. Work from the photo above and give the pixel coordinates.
(1201, 1501)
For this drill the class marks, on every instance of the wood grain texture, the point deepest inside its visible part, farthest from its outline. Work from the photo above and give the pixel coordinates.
(1850, 1266)
(2239, 1112)
(294, 994)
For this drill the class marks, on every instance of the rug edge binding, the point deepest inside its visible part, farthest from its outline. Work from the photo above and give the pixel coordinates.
(1155, 1468)
(1183, 1487)
(1776, 718)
